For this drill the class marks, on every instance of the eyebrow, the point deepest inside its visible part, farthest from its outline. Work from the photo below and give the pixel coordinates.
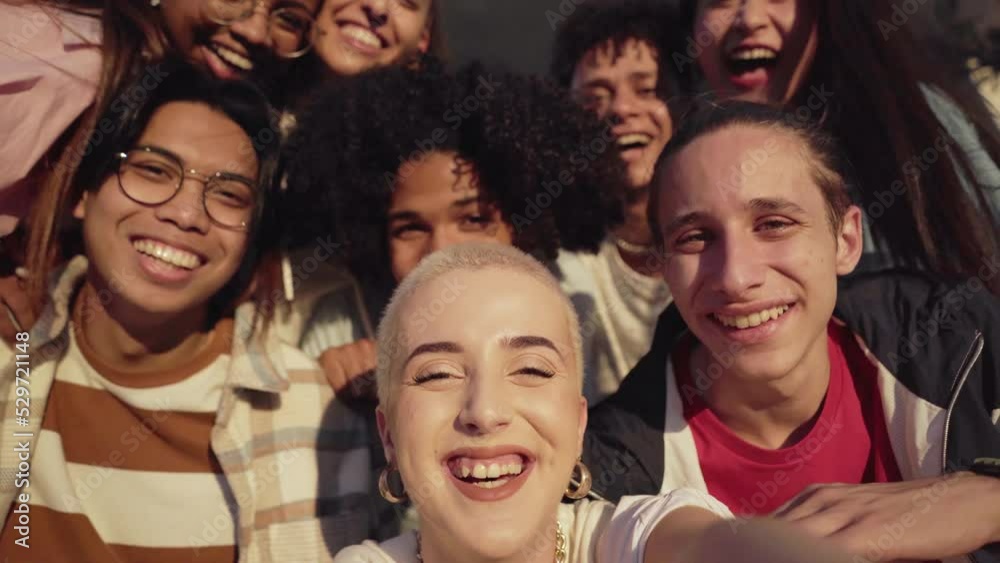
(435, 348)
(521, 342)
(767, 204)
(465, 201)
(773, 204)
(409, 215)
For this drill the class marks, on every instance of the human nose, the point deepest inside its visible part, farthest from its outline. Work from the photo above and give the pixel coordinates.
(485, 409)
(186, 209)
(738, 267)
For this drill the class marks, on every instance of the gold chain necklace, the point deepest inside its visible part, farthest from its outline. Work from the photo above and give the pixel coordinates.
(560, 545)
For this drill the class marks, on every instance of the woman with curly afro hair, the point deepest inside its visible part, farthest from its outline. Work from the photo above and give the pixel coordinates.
(396, 164)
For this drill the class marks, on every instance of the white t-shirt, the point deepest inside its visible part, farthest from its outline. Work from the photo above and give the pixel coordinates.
(618, 309)
(596, 531)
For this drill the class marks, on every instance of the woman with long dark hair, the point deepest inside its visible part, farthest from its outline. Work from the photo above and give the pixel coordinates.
(923, 145)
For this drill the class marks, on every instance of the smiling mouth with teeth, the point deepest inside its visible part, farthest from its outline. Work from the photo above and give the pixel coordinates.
(634, 141)
(169, 256)
(753, 319)
(742, 61)
(487, 473)
(231, 57)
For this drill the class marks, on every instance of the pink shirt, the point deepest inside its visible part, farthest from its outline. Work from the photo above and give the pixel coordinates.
(50, 65)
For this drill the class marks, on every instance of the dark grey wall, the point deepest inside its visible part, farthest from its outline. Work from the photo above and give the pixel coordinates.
(512, 32)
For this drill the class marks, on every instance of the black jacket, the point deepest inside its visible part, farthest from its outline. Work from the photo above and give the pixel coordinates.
(937, 348)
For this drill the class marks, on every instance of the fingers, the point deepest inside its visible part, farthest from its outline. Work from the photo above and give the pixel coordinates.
(350, 368)
(17, 314)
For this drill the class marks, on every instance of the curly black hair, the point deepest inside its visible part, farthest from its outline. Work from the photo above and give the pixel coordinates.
(659, 23)
(548, 166)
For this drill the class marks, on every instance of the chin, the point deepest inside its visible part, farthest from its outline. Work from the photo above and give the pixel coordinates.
(763, 365)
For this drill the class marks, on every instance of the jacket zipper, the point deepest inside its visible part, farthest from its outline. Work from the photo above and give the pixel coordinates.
(971, 357)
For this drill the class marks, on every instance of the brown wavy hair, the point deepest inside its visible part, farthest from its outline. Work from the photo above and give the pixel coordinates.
(132, 39)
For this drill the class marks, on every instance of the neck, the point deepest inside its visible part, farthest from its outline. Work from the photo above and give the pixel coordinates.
(134, 340)
(438, 546)
(770, 414)
(636, 231)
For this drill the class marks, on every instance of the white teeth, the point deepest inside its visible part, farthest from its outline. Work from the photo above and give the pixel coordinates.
(753, 319)
(481, 471)
(232, 57)
(168, 254)
(758, 53)
(363, 36)
(634, 139)
(491, 484)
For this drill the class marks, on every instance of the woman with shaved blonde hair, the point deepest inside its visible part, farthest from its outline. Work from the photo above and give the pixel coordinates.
(481, 416)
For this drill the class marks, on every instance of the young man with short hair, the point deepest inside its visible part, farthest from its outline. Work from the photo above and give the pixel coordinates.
(614, 60)
(857, 412)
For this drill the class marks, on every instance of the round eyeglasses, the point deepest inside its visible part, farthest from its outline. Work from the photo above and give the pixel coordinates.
(151, 176)
(292, 28)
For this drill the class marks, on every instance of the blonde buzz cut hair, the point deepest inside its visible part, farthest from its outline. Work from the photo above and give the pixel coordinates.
(391, 337)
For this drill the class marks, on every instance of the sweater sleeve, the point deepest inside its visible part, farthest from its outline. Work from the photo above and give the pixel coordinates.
(336, 320)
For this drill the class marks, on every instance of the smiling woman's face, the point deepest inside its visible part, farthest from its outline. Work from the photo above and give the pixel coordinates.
(241, 49)
(358, 35)
(487, 418)
(759, 50)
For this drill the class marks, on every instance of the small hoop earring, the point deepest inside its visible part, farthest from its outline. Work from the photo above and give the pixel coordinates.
(583, 486)
(385, 490)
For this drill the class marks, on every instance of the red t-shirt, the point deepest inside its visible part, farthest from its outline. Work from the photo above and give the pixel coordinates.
(849, 442)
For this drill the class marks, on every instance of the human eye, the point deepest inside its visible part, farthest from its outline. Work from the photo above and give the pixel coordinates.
(408, 230)
(774, 226)
(436, 374)
(691, 241)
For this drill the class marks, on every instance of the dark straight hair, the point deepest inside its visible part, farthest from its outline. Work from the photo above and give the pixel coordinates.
(940, 217)
(241, 102)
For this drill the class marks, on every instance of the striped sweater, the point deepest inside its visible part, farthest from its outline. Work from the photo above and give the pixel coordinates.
(219, 460)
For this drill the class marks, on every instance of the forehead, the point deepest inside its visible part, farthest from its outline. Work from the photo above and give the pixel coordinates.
(476, 308)
(727, 168)
(619, 61)
(311, 5)
(204, 138)
(433, 181)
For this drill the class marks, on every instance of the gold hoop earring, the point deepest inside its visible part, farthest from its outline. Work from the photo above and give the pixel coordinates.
(385, 490)
(582, 486)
